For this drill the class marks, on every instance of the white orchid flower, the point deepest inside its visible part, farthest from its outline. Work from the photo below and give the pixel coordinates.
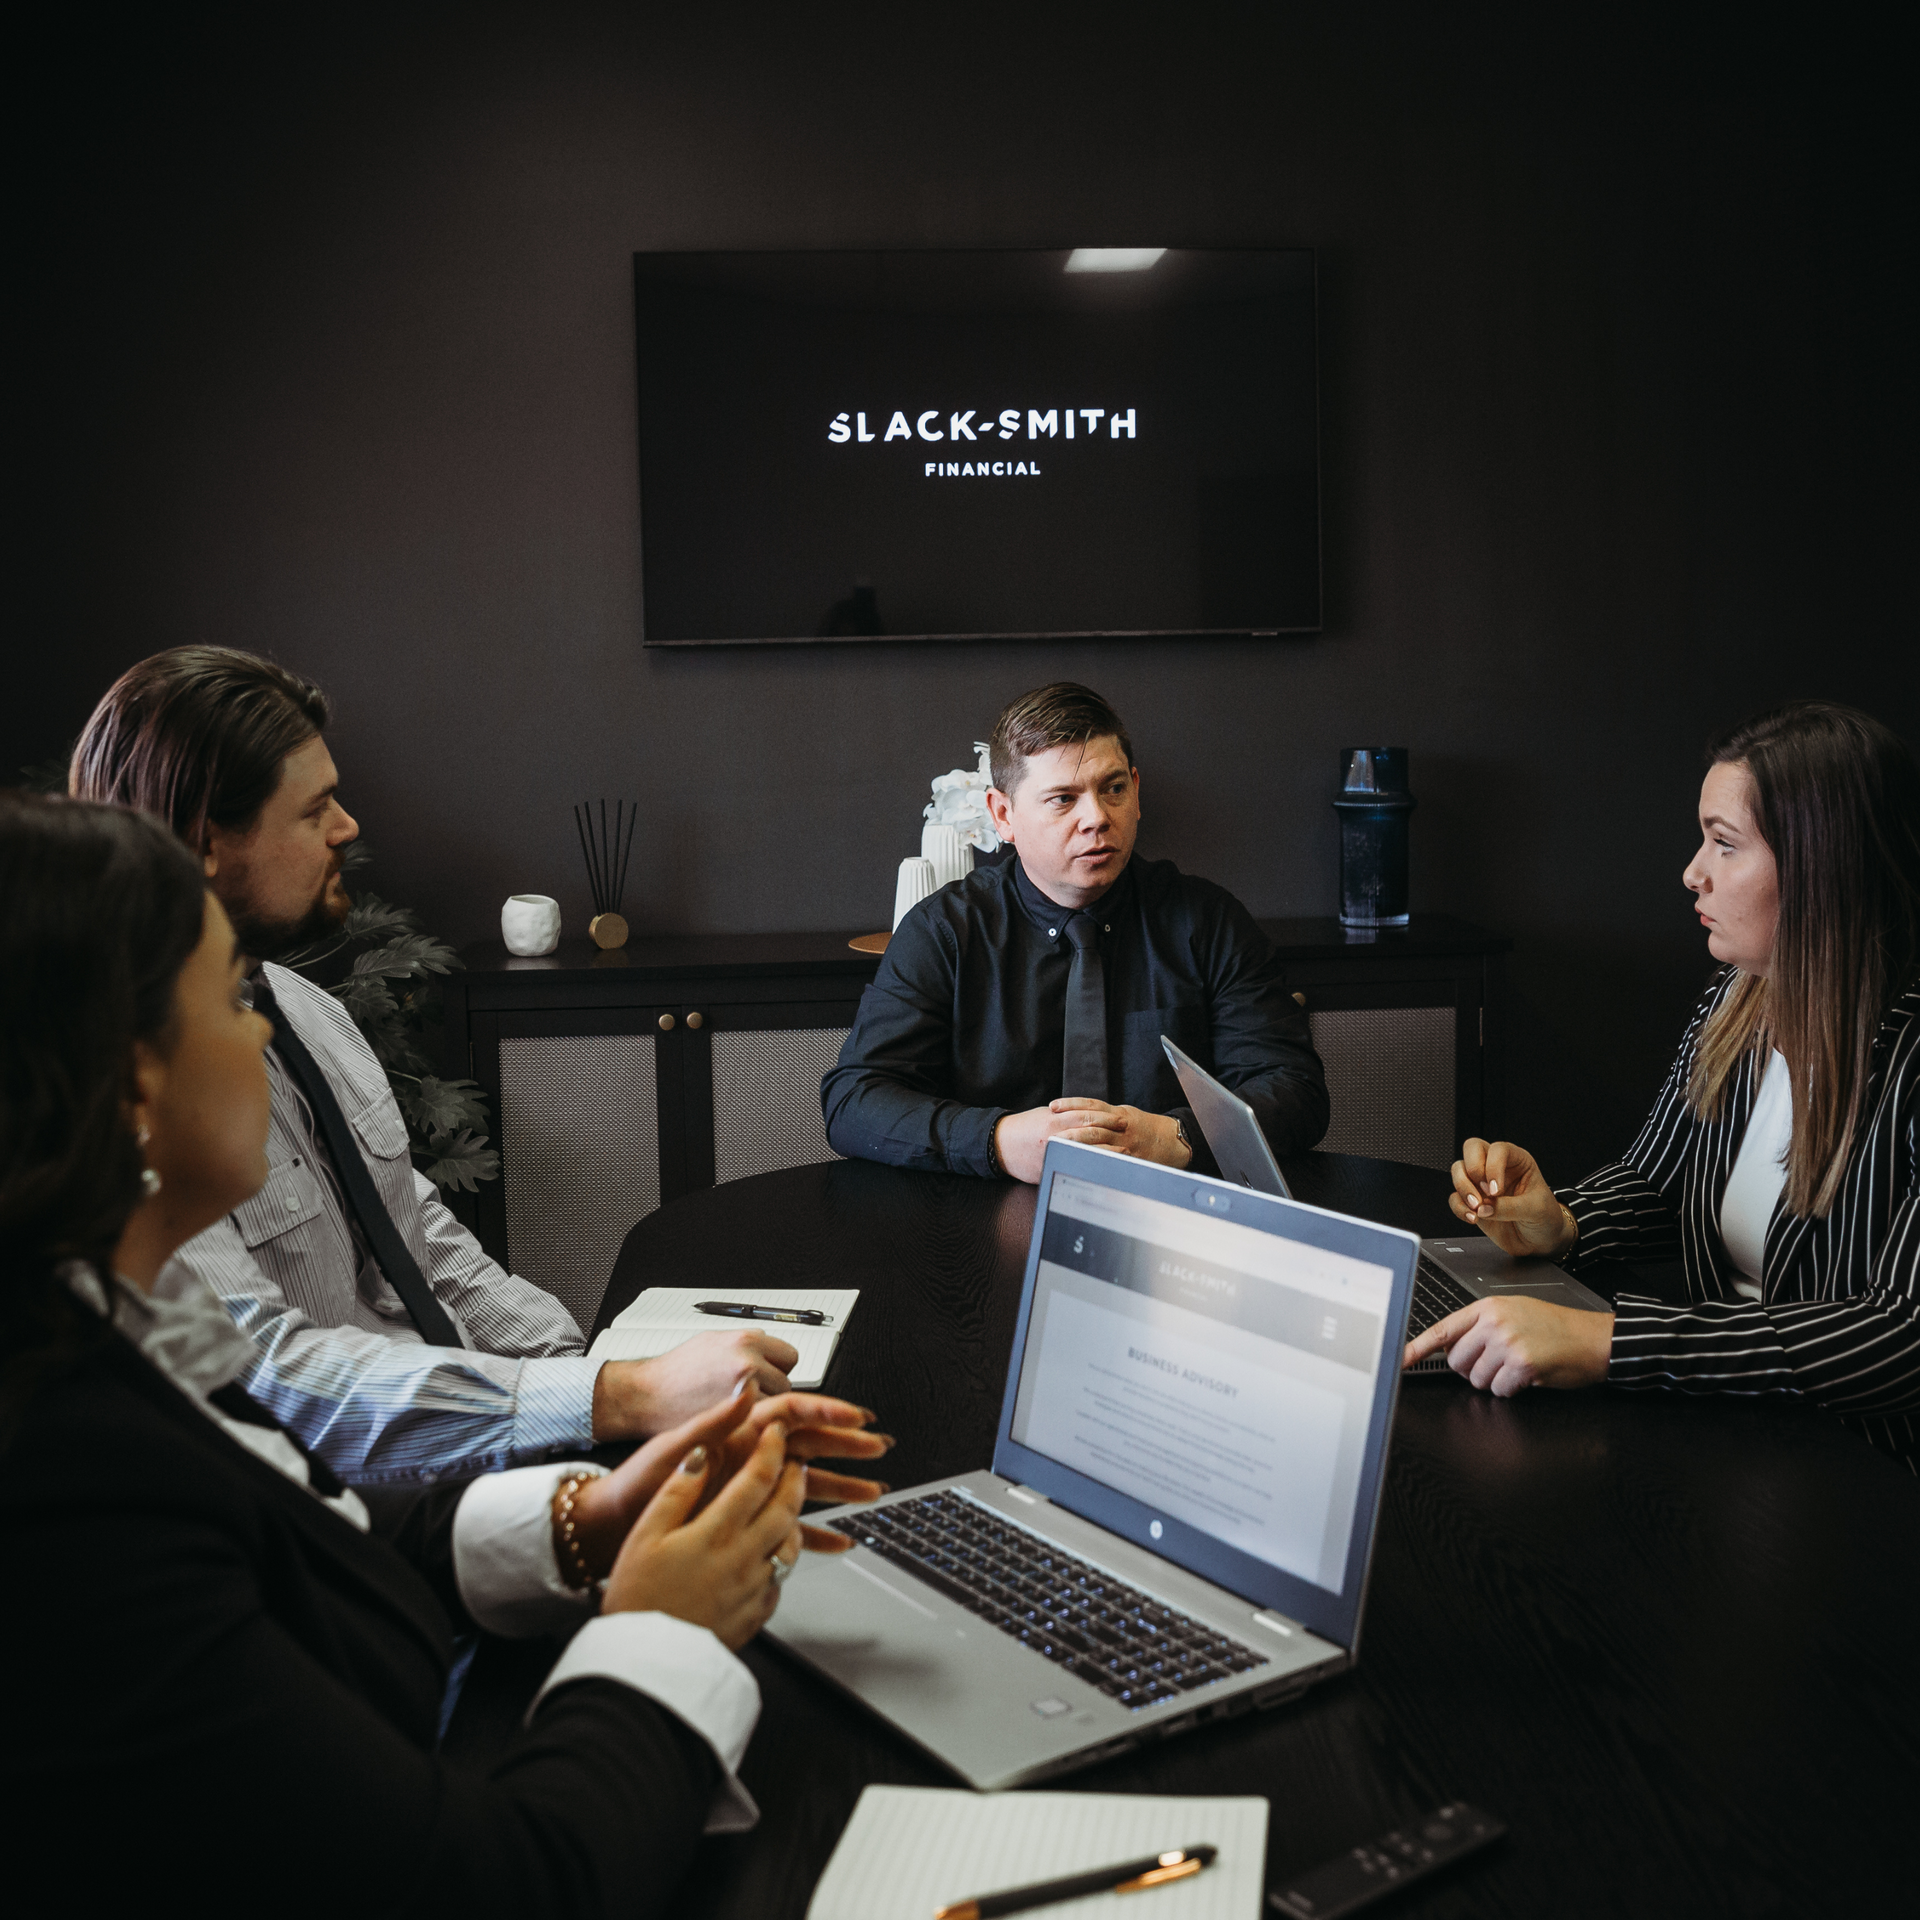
(960, 802)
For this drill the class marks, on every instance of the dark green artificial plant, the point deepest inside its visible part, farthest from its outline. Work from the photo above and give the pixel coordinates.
(388, 990)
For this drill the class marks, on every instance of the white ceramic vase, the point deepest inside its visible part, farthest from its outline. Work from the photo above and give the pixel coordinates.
(951, 856)
(530, 924)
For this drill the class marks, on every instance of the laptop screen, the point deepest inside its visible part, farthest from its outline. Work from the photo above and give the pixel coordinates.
(1221, 1376)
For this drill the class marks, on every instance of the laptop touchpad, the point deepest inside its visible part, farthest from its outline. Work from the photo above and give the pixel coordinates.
(1557, 1291)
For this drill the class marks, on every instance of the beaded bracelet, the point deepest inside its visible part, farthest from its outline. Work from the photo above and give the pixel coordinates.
(573, 1562)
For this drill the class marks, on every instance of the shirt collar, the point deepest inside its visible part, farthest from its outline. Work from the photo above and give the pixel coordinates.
(183, 1331)
(1050, 915)
(180, 1326)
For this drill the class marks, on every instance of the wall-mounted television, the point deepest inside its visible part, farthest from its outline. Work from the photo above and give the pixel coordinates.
(977, 445)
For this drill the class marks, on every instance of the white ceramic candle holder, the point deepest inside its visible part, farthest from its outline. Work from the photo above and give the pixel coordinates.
(916, 881)
(530, 924)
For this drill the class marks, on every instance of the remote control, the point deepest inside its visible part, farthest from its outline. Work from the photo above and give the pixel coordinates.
(1364, 1874)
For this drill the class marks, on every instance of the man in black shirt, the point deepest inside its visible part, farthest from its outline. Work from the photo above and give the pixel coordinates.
(1026, 1002)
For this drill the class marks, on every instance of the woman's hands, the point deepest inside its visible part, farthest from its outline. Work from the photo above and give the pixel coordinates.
(713, 1567)
(815, 1426)
(1512, 1342)
(1500, 1189)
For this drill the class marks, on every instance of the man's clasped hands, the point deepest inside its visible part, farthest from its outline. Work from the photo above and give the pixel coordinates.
(1020, 1139)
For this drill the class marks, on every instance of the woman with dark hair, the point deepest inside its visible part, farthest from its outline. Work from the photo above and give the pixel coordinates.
(1780, 1158)
(220, 1677)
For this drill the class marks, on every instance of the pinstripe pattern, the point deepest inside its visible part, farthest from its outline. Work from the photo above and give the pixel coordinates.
(342, 1365)
(1838, 1321)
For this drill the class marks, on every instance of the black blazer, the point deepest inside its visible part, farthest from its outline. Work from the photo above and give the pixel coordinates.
(219, 1689)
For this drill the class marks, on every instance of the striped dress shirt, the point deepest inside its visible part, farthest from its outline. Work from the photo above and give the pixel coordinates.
(341, 1364)
(1838, 1320)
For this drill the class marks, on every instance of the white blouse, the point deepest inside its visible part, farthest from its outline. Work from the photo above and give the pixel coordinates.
(1759, 1172)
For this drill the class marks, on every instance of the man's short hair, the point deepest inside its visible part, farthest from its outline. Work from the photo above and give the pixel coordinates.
(197, 735)
(1061, 715)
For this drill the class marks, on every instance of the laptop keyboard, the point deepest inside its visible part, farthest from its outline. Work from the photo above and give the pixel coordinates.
(1110, 1635)
(1436, 1293)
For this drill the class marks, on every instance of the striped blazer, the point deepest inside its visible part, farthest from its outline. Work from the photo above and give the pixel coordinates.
(1838, 1321)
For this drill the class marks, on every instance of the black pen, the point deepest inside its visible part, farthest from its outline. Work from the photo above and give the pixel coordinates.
(739, 1310)
(1131, 1876)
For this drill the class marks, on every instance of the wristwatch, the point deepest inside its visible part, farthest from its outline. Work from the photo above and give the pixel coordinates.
(1180, 1127)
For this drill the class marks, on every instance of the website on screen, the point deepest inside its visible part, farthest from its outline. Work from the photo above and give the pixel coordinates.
(1221, 1375)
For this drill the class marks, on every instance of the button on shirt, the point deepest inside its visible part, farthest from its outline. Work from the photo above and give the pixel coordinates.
(965, 1021)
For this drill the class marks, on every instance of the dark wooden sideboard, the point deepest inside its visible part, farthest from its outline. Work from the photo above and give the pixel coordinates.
(622, 1080)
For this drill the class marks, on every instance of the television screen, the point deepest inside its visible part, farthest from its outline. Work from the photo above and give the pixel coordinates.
(947, 446)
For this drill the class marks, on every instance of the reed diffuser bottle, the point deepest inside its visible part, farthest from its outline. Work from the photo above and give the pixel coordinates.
(606, 854)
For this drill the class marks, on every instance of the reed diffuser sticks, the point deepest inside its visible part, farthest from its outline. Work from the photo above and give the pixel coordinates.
(607, 854)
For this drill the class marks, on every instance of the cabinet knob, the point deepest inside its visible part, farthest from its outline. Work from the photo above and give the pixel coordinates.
(666, 1023)
(696, 1019)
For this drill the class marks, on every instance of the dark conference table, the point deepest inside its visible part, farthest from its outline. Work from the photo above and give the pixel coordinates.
(1671, 1642)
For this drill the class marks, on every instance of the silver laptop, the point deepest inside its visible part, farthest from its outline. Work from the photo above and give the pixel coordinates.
(1454, 1271)
(1240, 1149)
(1180, 1514)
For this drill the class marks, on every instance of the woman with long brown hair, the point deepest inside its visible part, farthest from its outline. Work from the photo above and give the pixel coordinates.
(1779, 1161)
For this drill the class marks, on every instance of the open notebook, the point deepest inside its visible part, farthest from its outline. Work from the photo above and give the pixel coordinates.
(662, 1317)
(910, 1850)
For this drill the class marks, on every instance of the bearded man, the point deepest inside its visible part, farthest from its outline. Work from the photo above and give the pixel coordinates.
(390, 1344)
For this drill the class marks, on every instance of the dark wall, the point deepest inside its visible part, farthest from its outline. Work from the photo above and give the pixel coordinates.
(332, 351)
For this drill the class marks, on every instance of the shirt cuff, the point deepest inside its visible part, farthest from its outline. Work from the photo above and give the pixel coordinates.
(686, 1670)
(553, 1404)
(969, 1143)
(503, 1559)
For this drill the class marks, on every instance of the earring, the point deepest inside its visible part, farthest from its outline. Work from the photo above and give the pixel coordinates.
(149, 1182)
(145, 1134)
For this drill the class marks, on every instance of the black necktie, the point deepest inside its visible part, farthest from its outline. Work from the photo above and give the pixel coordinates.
(1084, 1061)
(363, 1198)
